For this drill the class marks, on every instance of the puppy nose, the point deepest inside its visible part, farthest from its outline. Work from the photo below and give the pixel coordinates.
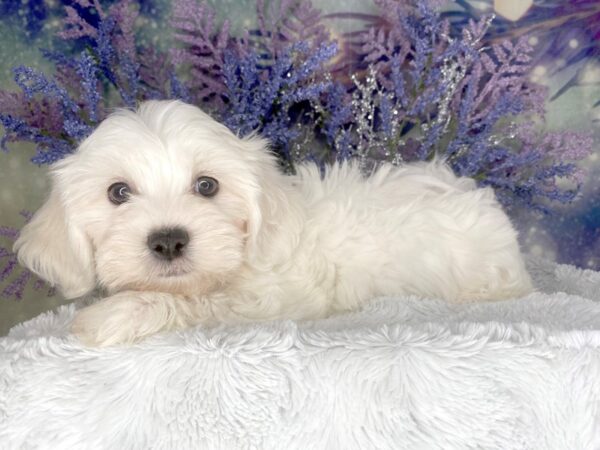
(168, 244)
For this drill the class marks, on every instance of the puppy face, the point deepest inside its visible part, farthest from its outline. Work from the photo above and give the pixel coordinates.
(163, 199)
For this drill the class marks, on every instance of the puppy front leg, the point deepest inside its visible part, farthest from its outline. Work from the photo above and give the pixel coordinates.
(129, 316)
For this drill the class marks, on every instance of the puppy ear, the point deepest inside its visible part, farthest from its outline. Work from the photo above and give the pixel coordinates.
(51, 246)
(274, 214)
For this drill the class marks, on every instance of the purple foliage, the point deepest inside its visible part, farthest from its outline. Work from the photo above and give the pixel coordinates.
(337, 112)
(263, 81)
(427, 94)
(41, 121)
(202, 49)
(261, 97)
(87, 71)
(554, 24)
(57, 133)
(204, 45)
(286, 22)
(76, 26)
(419, 89)
(57, 112)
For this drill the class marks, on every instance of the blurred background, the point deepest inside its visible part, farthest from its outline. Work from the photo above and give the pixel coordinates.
(564, 34)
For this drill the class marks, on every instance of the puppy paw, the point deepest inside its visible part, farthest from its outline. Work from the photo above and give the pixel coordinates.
(108, 322)
(130, 316)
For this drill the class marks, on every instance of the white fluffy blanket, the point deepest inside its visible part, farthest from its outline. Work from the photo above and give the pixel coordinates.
(401, 374)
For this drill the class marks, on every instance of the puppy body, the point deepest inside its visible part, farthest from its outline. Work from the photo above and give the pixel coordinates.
(267, 245)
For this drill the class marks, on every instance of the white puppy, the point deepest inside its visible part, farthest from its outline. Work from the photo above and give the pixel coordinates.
(180, 223)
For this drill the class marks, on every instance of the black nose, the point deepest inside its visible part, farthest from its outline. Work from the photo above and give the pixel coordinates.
(168, 244)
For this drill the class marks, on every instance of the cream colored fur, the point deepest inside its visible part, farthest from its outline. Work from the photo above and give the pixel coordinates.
(268, 245)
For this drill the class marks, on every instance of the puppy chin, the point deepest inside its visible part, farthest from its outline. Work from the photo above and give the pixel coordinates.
(178, 285)
(177, 278)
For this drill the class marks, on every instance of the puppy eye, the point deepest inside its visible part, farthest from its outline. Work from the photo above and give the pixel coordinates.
(119, 193)
(206, 186)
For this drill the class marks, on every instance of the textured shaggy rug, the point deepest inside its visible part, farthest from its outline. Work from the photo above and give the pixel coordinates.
(401, 374)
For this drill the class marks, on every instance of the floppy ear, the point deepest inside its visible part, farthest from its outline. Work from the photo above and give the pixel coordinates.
(274, 213)
(51, 246)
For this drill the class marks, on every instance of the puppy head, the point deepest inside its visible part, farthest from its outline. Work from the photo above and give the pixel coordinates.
(161, 199)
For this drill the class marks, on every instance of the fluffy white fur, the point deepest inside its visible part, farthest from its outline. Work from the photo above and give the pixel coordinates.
(267, 245)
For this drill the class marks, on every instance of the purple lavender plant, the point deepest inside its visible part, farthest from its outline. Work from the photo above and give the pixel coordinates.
(565, 33)
(264, 81)
(23, 121)
(202, 50)
(270, 99)
(284, 23)
(57, 112)
(423, 93)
